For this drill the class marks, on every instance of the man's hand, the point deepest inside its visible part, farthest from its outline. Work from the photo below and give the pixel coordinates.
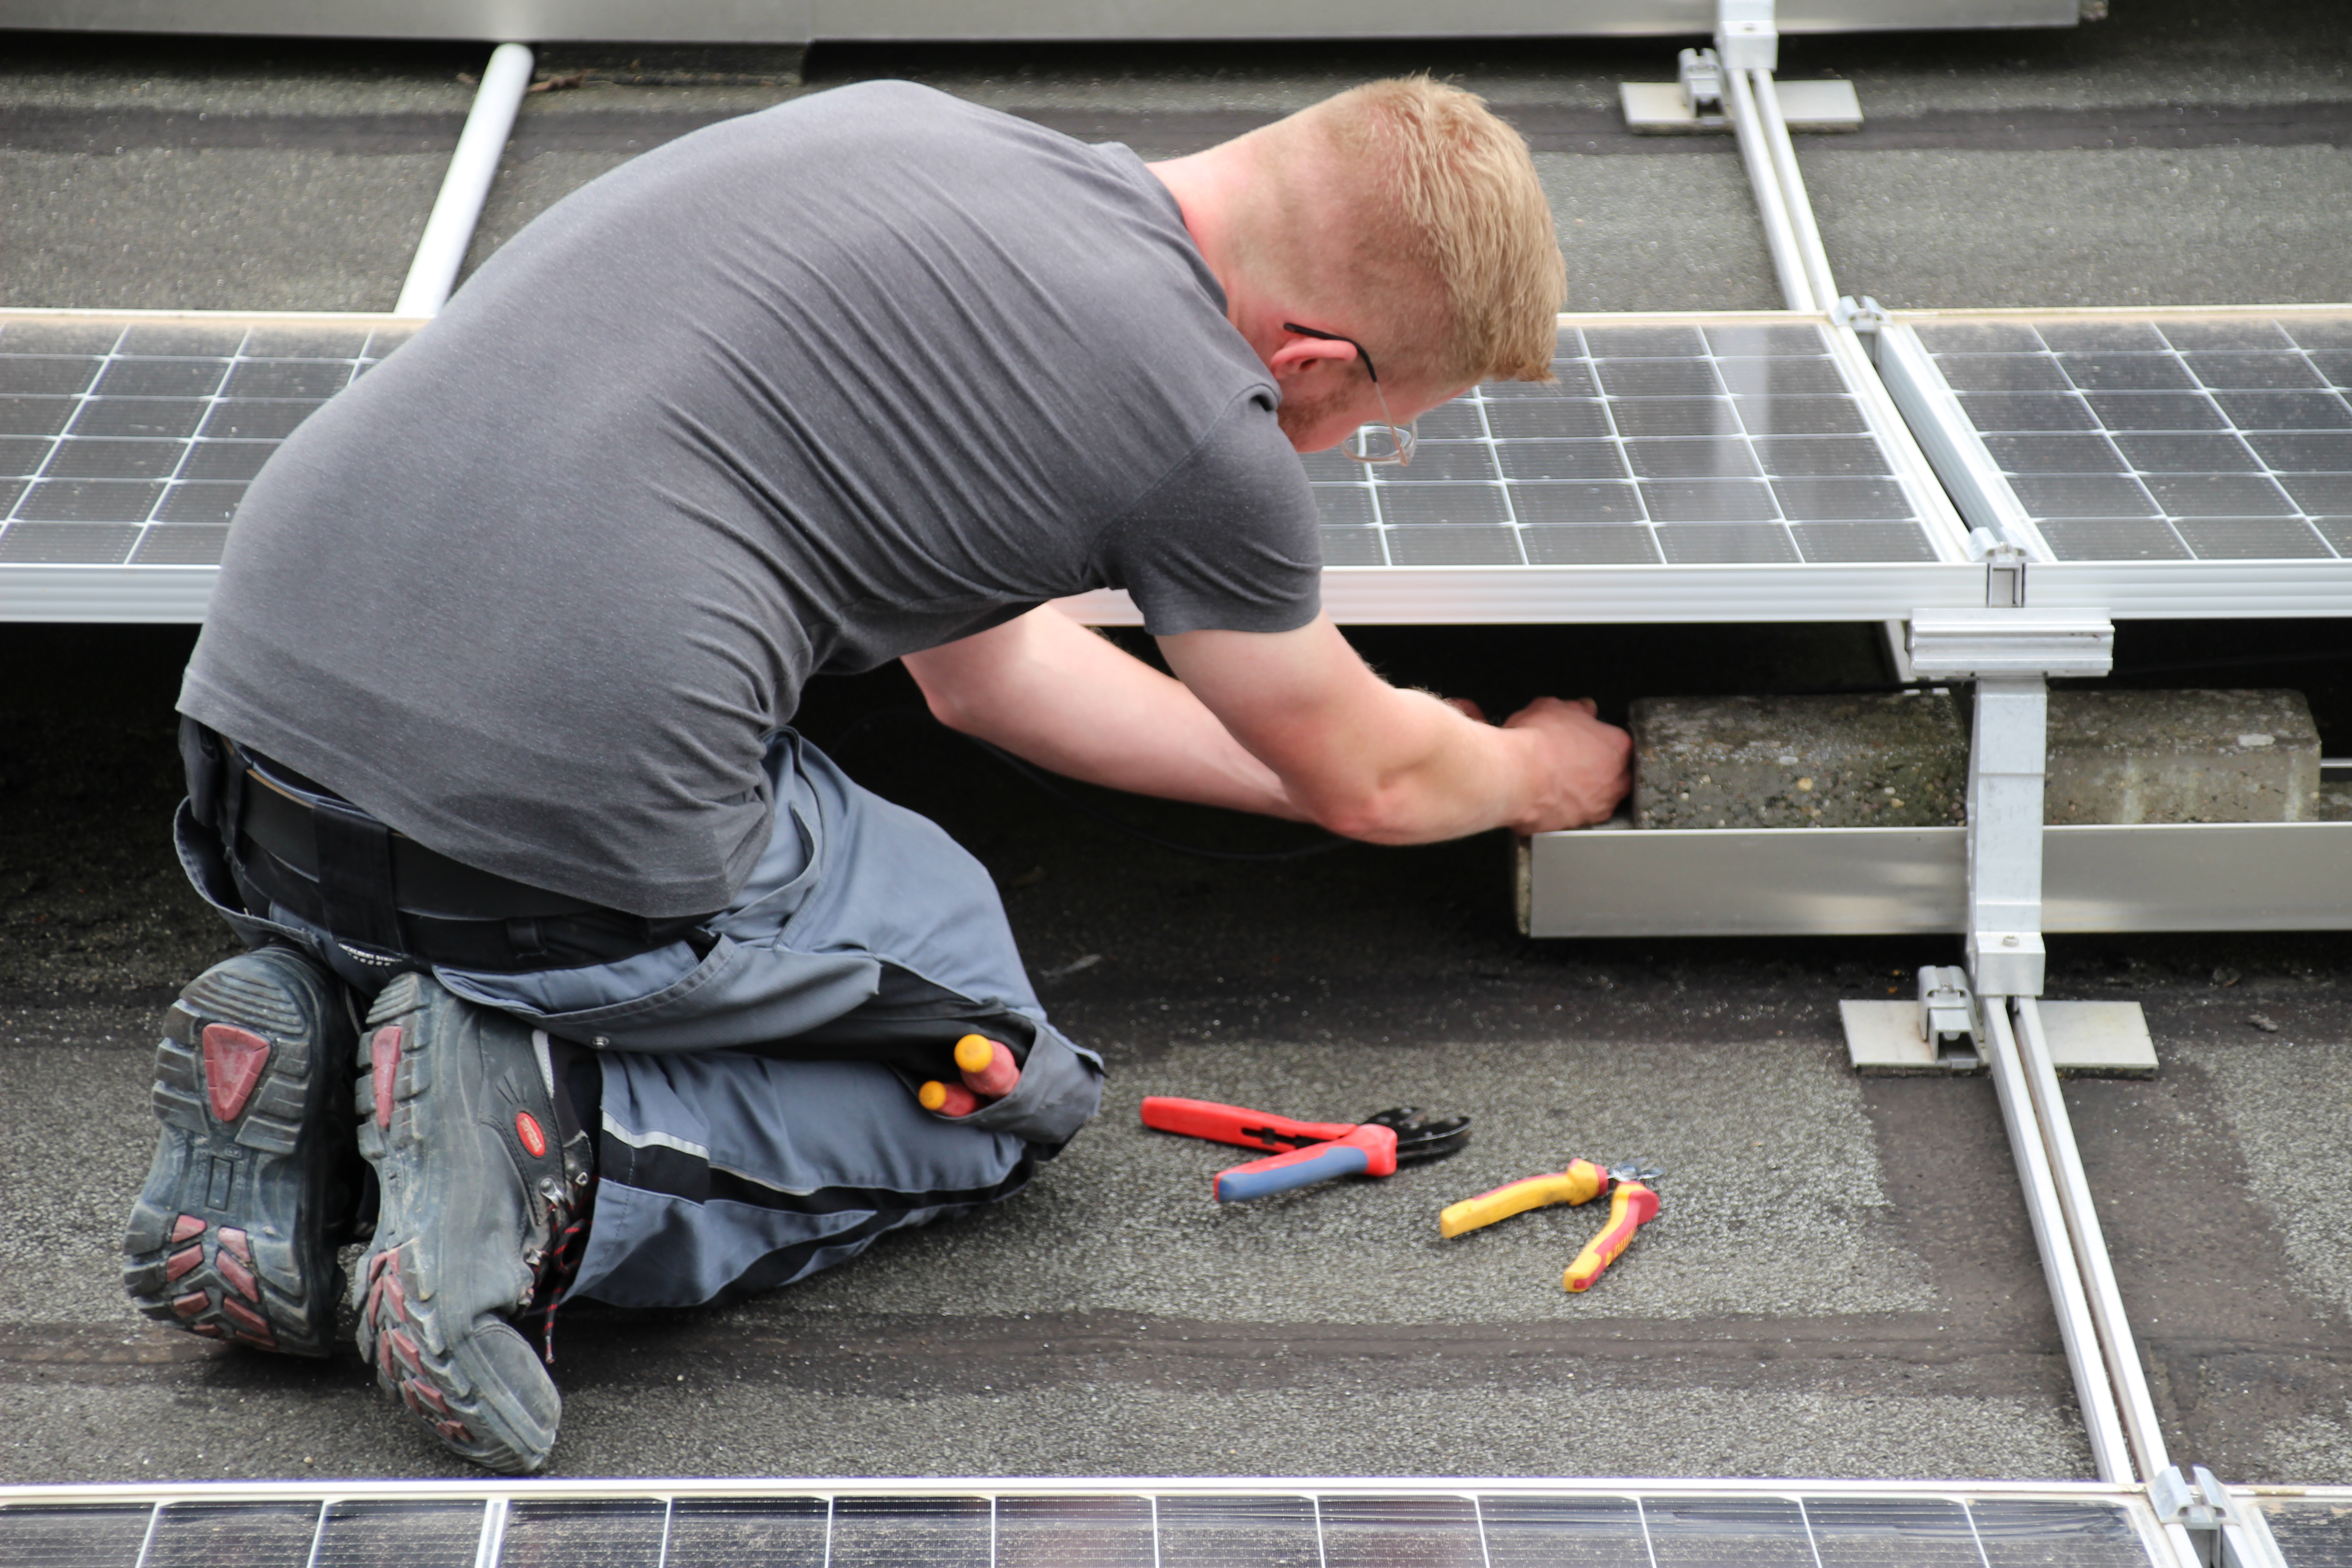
(1590, 763)
(1594, 767)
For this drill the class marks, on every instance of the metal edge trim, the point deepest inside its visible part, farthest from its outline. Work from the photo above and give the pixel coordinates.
(1932, 410)
(1781, 591)
(53, 312)
(2116, 313)
(1482, 595)
(1947, 530)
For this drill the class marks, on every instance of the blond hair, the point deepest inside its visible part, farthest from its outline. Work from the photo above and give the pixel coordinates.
(1451, 251)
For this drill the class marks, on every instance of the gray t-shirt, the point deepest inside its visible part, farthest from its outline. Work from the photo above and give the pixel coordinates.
(795, 395)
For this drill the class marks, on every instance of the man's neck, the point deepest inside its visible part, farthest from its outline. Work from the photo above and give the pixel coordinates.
(1208, 191)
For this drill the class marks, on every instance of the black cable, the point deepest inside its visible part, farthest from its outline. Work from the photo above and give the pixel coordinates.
(1053, 786)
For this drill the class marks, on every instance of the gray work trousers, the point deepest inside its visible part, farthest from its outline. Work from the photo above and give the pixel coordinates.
(750, 1135)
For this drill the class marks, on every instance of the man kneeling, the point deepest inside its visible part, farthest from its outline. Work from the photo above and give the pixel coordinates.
(624, 985)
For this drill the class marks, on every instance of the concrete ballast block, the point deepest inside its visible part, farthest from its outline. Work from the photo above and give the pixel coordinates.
(2181, 756)
(1898, 760)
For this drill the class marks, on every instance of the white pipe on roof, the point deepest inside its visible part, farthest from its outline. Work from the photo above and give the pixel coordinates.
(450, 230)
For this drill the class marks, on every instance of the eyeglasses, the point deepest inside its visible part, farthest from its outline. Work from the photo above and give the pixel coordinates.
(1386, 442)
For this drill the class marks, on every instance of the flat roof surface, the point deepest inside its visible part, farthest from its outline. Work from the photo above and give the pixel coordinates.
(1844, 1283)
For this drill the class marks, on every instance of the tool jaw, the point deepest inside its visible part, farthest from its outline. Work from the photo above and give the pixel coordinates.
(1419, 1138)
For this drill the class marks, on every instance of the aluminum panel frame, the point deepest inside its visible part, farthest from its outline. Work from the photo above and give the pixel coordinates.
(1900, 881)
(1480, 595)
(805, 21)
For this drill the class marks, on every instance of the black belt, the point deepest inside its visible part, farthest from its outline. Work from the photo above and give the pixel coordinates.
(338, 868)
(428, 883)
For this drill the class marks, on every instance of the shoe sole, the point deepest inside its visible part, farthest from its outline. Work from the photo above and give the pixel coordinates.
(478, 1386)
(228, 1238)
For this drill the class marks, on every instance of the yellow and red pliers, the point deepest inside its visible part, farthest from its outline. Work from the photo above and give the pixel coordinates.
(1633, 1204)
(1305, 1153)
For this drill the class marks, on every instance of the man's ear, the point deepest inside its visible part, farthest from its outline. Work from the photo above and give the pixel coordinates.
(1297, 354)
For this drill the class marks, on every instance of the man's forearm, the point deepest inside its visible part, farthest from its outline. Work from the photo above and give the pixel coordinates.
(1055, 693)
(1392, 766)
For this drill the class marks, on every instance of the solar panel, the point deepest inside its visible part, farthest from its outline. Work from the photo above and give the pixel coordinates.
(129, 442)
(2173, 437)
(1659, 444)
(1352, 1525)
(1687, 443)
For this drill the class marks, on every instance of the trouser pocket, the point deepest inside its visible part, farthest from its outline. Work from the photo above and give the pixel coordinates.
(1060, 1091)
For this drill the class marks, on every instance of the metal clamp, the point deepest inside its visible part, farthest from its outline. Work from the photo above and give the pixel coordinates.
(1965, 644)
(2199, 1504)
(1947, 1012)
(1700, 76)
(2208, 1527)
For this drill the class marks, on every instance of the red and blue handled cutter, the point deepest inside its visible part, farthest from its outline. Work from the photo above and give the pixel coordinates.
(1305, 1153)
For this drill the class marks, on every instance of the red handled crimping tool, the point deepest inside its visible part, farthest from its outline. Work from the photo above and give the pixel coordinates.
(1305, 1153)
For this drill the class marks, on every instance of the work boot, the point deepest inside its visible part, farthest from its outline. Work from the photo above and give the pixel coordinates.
(233, 1235)
(480, 1196)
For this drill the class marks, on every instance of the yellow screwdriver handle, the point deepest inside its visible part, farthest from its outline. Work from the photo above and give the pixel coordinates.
(1581, 1182)
(1631, 1207)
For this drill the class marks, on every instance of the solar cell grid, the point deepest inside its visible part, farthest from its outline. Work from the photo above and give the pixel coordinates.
(584, 1532)
(74, 1536)
(2311, 1534)
(131, 443)
(252, 1535)
(1563, 1533)
(2037, 1533)
(2165, 438)
(1721, 1531)
(381, 1534)
(1339, 1530)
(746, 1532)
(1401, 1532)
(1667, 443)
(1074, 1532)
(1221, 1531)
(887, 1532)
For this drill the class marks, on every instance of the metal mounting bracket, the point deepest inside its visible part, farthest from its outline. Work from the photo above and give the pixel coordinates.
(1862, 318)
(2010, 652)
(1746, 36)
(1947, 1012)
(1700, 76)
(2207, 1526)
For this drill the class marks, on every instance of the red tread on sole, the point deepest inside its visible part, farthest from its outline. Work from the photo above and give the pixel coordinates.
(239, 1277)
(233, 1060)
(384, 1063)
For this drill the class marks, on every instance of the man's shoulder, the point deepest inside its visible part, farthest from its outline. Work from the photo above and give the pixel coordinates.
(890, 110)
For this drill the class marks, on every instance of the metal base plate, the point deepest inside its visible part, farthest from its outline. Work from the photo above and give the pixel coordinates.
(2106, 1039)
(1656, 108)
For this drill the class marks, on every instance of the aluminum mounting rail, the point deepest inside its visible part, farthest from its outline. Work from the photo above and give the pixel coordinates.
(801, 22)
